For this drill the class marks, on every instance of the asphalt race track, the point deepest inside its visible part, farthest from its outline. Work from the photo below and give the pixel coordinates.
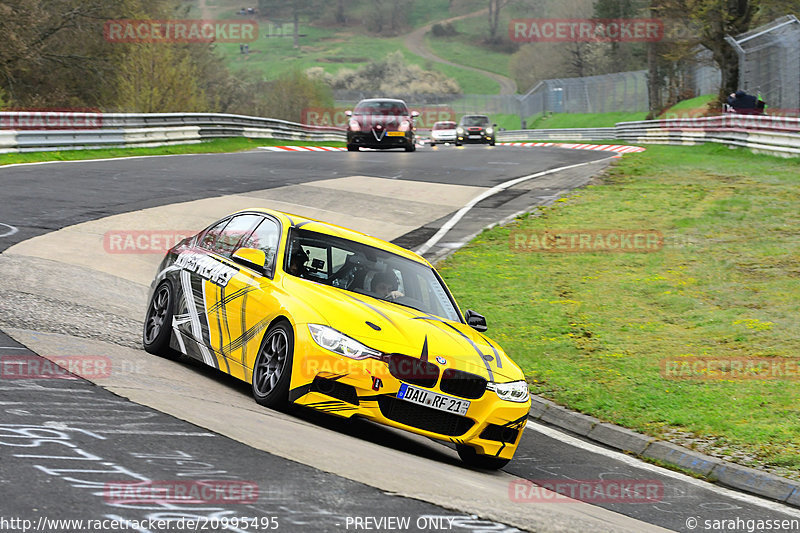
(68, 292)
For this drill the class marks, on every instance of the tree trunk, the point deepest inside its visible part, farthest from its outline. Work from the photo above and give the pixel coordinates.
(728, 61)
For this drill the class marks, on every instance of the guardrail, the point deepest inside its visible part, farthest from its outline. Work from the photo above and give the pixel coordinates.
(759, 133)
(23, 131)
(566, 134)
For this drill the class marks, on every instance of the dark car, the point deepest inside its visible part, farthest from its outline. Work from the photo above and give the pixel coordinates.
(475, 129)
(381, 123)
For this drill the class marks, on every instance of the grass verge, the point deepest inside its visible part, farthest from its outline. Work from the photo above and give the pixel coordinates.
(237, 144)
(590, 329)
(583, 120)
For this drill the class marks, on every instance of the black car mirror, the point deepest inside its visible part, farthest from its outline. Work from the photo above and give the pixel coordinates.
(475, 321)
(348, 113)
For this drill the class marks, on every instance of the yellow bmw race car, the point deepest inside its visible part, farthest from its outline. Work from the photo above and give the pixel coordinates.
(338, 321)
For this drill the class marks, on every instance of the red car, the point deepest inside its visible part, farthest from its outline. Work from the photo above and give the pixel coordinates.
(381, 123)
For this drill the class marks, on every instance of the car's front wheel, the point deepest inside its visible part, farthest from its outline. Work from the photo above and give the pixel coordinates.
(352, 148)
(273, 367)
(472, 458)
(158, 320)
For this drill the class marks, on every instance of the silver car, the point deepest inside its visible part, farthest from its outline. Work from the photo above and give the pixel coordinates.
(443, 132)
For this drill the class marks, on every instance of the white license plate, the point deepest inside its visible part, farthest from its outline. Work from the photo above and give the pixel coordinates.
(474, 136)
(432, 399)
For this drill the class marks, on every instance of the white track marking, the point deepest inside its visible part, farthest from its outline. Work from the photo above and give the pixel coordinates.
(7, 232)
(638, 463)
(494, 190)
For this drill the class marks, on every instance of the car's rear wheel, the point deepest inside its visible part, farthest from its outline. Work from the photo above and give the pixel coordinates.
(458, 143)
(433, 144)
(273, 367)
(352, 148)
(411, 147)
(158, 321)
(472, 458)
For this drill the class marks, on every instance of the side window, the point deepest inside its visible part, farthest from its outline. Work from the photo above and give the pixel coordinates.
(210, 237)
(238, 228)
(265, 237)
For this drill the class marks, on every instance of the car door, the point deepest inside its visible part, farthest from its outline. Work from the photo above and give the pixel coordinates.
(249, 304)
(205, 275)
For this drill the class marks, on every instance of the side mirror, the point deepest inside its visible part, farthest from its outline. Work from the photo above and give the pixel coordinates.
(348, 113)
(475, 321)
(414, 114)
(251, 258)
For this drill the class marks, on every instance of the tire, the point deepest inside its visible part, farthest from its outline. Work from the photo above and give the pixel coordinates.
(272, 370)
(157, 329)
(476, 460)
(492, 143)
(458, 143)
(352, 148)
(433, 144)
(411, 147)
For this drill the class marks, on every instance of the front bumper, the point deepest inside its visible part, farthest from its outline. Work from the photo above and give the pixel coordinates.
(389, 139)
(447, 138)
(475, 138)
(346, 387)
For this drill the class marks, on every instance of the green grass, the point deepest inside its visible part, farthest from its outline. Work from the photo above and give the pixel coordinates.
(336, 48)
(693, 107)
(237, 144)
(583, 120)
(461, 49)
(590, 329)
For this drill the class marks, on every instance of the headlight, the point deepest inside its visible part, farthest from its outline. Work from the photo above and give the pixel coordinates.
(460, 131)
(355, 126)
(489, 131)
(516, 391)
(338, 342)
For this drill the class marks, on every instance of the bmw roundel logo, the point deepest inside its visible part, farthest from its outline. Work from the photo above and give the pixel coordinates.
(441, 360)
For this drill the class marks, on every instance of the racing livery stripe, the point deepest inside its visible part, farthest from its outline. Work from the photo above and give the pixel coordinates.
(437, 320)
(362, 302)
(219, 296)
(194, 319)
(248, 335)
(496, 353)
(518, 424)
(229, 298)
(204, 320)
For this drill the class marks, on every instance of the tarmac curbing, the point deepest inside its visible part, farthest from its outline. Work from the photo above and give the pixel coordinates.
(722, 472)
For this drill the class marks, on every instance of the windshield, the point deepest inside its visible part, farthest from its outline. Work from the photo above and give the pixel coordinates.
(370, 271)
(444, 126)
(475, 121)
(381, 108)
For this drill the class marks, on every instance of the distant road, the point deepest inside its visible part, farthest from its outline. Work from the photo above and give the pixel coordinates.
(415, 42)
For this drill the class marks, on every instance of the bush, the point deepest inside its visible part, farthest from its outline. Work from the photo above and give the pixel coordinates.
(391, 76)
(443, 30)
